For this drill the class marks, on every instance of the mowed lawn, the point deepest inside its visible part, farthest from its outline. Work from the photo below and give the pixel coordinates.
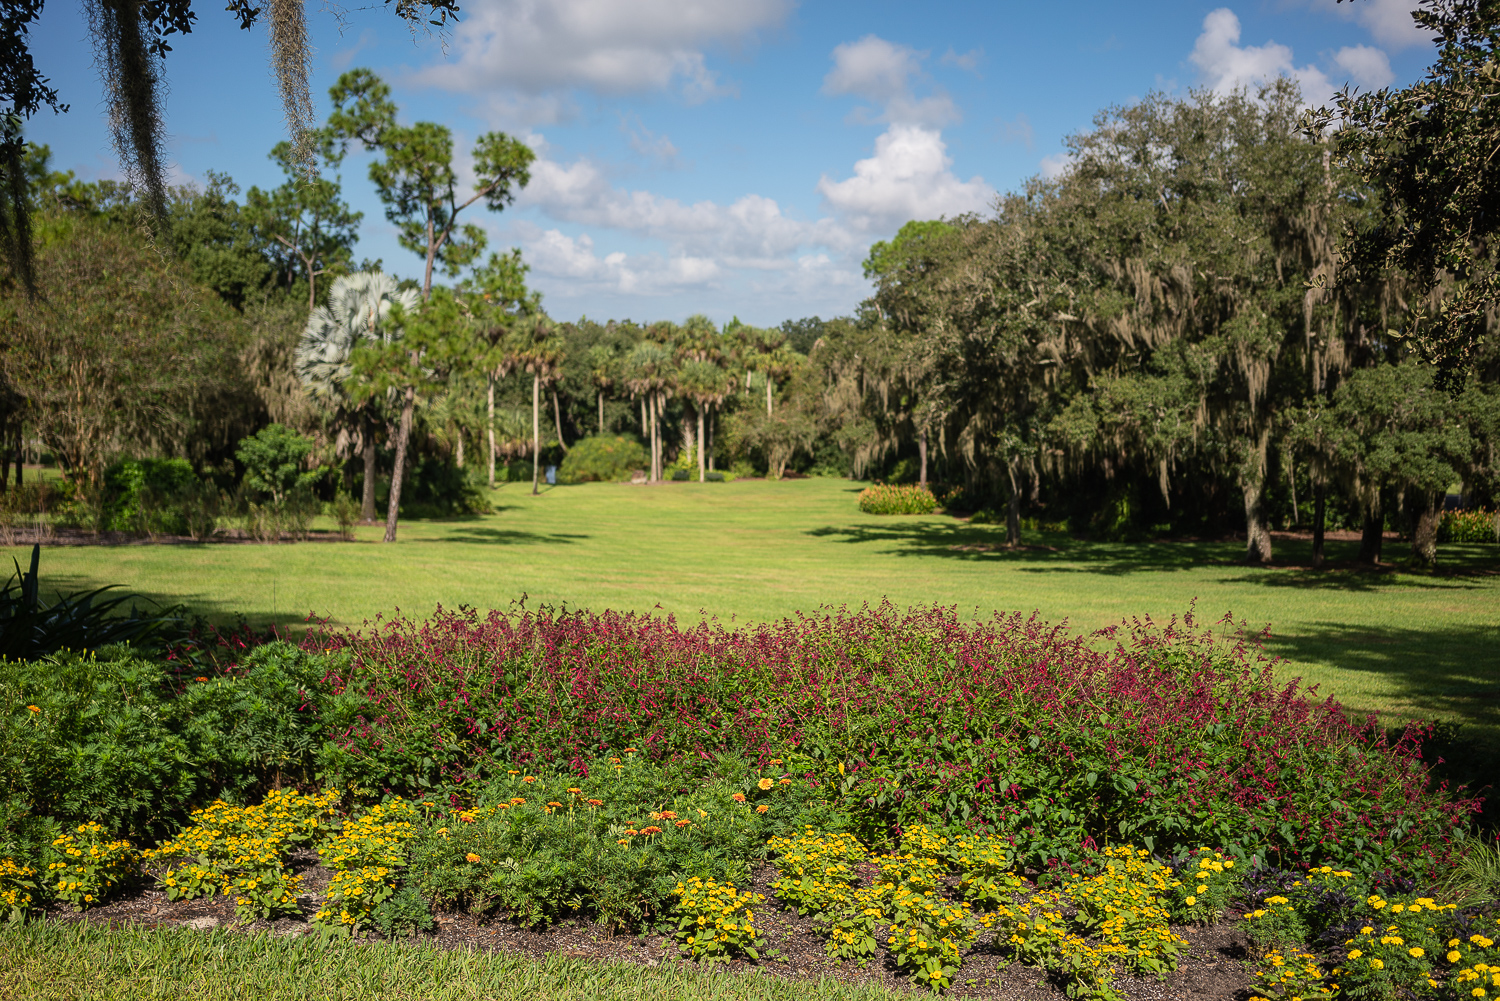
(1402, 644)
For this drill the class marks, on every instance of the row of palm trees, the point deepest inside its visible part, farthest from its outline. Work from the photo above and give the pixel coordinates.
(490, 326)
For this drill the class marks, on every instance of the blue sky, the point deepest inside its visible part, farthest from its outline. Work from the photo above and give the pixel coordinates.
(730, 157)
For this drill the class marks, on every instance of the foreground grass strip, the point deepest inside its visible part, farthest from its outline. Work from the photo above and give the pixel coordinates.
(82, 962)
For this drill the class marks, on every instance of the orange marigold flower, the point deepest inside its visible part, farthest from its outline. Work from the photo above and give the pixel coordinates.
(555, 806)
(513, 771)
(738, 797)
(200, 679)
(528, 779)
(762, 808)
(629, 750)
(786, 782)
(765, 784)
(668, 815)
(516, 801)
(594, 802)
(472, 857)
(650, 830)
(684, 823)
(35, 709)
(574, 790)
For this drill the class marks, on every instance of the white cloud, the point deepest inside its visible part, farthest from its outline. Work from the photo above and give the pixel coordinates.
(750, 232)
(965, 61)
(907, 178)
(537, 46)
(657, 149)
(1017, 131)
(1055, 164)
(1368, 67)
(1224, 65)
(882, 72)
(553, 254)
(1388, 21)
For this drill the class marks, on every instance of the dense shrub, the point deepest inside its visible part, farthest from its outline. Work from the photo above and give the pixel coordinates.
(1172, 738)
(1477, 525)
(887, 499)
(149, 496)
(125, 742)
(602, 458)
(440, 489)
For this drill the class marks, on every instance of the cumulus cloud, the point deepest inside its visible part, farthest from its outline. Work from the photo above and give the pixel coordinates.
(882, 73)
(1224, 65)
(604, 46)
(1055, 164)
(907, 178)
(554, 254)
(1367, 66)
(750, 232)
(1388, 21)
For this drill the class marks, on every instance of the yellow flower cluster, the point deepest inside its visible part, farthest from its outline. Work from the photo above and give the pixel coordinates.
(243, 850)
(365, 857)
(89, 865)
(715, 920)
(1292, 976)
(1410, 954)
(15, 887)
(1199, 897)
(813, 867)
(928, 934)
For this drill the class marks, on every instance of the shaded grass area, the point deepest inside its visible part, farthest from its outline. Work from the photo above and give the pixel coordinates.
(80, 961)
(1403, 644)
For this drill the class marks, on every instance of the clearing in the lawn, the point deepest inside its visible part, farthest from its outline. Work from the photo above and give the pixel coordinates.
(1403, 644)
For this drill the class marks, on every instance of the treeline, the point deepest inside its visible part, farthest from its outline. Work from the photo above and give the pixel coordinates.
(1210, 322)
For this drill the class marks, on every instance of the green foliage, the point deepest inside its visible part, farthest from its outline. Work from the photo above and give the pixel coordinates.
(602, 458)
(274, 459)
(439, 488)
(123, 741)
(716, 921)
(86, 866)
(888, 499)
(145, 495)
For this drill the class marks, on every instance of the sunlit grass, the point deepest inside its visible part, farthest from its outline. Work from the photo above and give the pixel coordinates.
(1403, 644)
(84, 962)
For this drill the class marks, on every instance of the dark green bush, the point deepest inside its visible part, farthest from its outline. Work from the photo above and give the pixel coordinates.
(602, 458)
(681, 475)
(1476, 525)
(147, 496)
(440, 489)
(118, 739)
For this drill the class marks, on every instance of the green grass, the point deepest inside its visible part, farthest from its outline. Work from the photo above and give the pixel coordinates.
(1401, 644)
(63, 962)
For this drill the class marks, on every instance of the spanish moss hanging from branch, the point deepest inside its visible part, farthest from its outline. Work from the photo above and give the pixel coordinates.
(290, 58)
(131, 71)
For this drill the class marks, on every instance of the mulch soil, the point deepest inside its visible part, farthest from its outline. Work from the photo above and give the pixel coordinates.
(1214, 966)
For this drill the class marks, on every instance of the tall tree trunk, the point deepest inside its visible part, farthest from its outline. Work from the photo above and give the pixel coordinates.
(1253, 485)
(367, 505)
(1425, 528)
(1372, 535)
(398, 467)
(557, 419)
(1013, 508)
(768, 394)
(536, 432)
(489, 409)
(645, 424)
(713, 417)
(701, 467)
(460, 448)
(600, 394)
(1320, 519)
(922, 454)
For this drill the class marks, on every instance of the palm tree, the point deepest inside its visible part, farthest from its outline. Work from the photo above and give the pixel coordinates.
(706, 384)
(648, 368)
(540, 352)
(358, 306)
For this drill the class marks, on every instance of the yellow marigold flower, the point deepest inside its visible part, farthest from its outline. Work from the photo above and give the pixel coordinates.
(1355, 954)
(1416, 952)
(1191, 901)
(472, 857)
(765, 784)
(1202, 888)
(762, 808)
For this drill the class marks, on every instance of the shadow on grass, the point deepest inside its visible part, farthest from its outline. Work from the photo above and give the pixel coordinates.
(1446, 673)
(1461, 567)
(507, 537)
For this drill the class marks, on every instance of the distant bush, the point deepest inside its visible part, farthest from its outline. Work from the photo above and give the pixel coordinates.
(149, 496)
(887, 499)
(713, 476)
(681, 475)
(1477, 525)
(440, 489)
(603, 459)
